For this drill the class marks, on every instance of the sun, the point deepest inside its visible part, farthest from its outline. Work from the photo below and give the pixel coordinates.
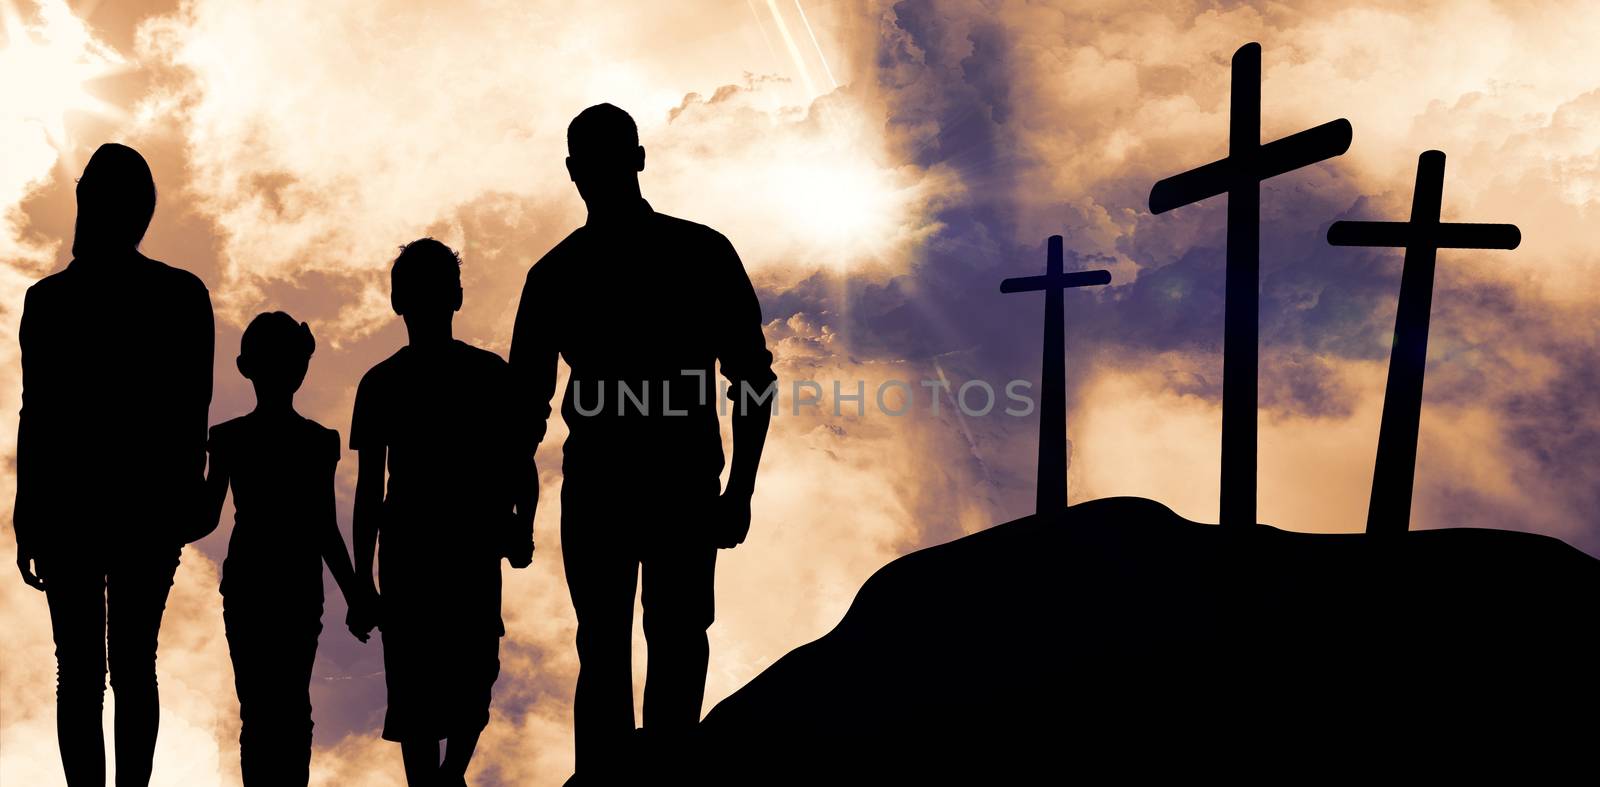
(45, 65)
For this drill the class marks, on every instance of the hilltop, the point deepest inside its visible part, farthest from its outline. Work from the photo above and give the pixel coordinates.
(1121, 636)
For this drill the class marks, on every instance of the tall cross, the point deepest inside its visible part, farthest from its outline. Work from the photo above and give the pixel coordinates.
(1052, 486)
(1239, 175)
(1389, 510)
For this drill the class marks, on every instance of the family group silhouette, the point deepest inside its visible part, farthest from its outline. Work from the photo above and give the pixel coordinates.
(117, 470)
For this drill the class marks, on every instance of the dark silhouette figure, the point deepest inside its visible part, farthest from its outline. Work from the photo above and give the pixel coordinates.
(642, 306)
(1140, 644)
(1389, 510)
(1052, 484)
(460, 496)
(116, 376)
(281, 467)
(1239, 175)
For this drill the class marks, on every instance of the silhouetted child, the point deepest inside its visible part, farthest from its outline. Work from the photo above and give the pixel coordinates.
(281, 467)
(461, 491)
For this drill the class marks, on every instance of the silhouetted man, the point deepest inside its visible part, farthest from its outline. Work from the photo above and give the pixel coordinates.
(116, 376)
(642, 306)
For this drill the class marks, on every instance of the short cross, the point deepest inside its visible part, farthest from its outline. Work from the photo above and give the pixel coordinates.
(1389, 511)
(1052, 485)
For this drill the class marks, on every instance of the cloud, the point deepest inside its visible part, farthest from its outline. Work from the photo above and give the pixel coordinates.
(421, 121)
(297, 144)
(1098, 103)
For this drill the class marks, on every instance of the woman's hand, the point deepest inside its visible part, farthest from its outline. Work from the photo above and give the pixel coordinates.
(28, 564)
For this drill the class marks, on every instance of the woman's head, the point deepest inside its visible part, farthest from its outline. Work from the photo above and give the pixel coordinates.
(116, 199)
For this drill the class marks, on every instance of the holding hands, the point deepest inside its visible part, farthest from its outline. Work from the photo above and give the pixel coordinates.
(363, 615)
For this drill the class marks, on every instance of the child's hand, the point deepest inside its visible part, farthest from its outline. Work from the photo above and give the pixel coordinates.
(363, 615)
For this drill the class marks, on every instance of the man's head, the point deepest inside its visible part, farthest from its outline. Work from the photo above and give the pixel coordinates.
(116, 199)
(604, 157)
(425, 280)
(275, 352)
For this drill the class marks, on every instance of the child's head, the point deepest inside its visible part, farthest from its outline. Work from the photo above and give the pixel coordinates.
(425, 280)
(274, 353)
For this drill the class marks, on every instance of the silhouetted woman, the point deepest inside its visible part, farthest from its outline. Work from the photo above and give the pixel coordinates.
(116, 375)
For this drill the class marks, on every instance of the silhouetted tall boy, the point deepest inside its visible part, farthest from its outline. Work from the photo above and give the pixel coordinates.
(116, 382)
(460, 496)
(280, 466)
(644, 307)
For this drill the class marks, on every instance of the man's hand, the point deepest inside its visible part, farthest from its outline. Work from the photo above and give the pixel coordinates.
(731, 521)
(28, 564)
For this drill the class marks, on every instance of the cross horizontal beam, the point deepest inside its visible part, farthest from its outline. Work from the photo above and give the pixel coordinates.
(1058, 281)
(1394, 472)
(1270, 160)
(1440, 236)
(1051, 493)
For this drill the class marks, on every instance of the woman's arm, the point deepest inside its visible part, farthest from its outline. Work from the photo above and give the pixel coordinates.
(22, 521)
(216, 491)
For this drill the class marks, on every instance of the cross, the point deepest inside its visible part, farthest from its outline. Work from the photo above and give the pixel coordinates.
(1239, 175)
(1389, 510)
(1052, 486)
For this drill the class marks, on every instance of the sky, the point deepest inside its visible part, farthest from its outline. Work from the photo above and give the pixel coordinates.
(880, 167)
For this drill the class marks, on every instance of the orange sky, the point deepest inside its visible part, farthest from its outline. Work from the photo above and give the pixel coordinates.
(878, 181)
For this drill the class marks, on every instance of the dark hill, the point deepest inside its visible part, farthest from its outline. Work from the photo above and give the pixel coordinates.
(1124, 638)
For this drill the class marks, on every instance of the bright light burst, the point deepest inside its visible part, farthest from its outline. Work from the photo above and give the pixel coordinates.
(45, 66)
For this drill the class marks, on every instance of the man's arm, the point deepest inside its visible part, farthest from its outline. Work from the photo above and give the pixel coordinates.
(534, 350)
(747, 364)
(522, 478)
(524, 483)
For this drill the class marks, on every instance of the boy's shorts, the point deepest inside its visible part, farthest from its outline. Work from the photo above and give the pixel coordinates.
(440, 686)
(441, 629)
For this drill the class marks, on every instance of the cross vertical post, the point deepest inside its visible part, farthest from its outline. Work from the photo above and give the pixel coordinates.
(1239, 175)
(1051, 491)
(1242, 298)
(1394, 472)
(1053, 390)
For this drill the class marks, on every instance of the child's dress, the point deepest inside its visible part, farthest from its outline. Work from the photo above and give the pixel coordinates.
(281, 470)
